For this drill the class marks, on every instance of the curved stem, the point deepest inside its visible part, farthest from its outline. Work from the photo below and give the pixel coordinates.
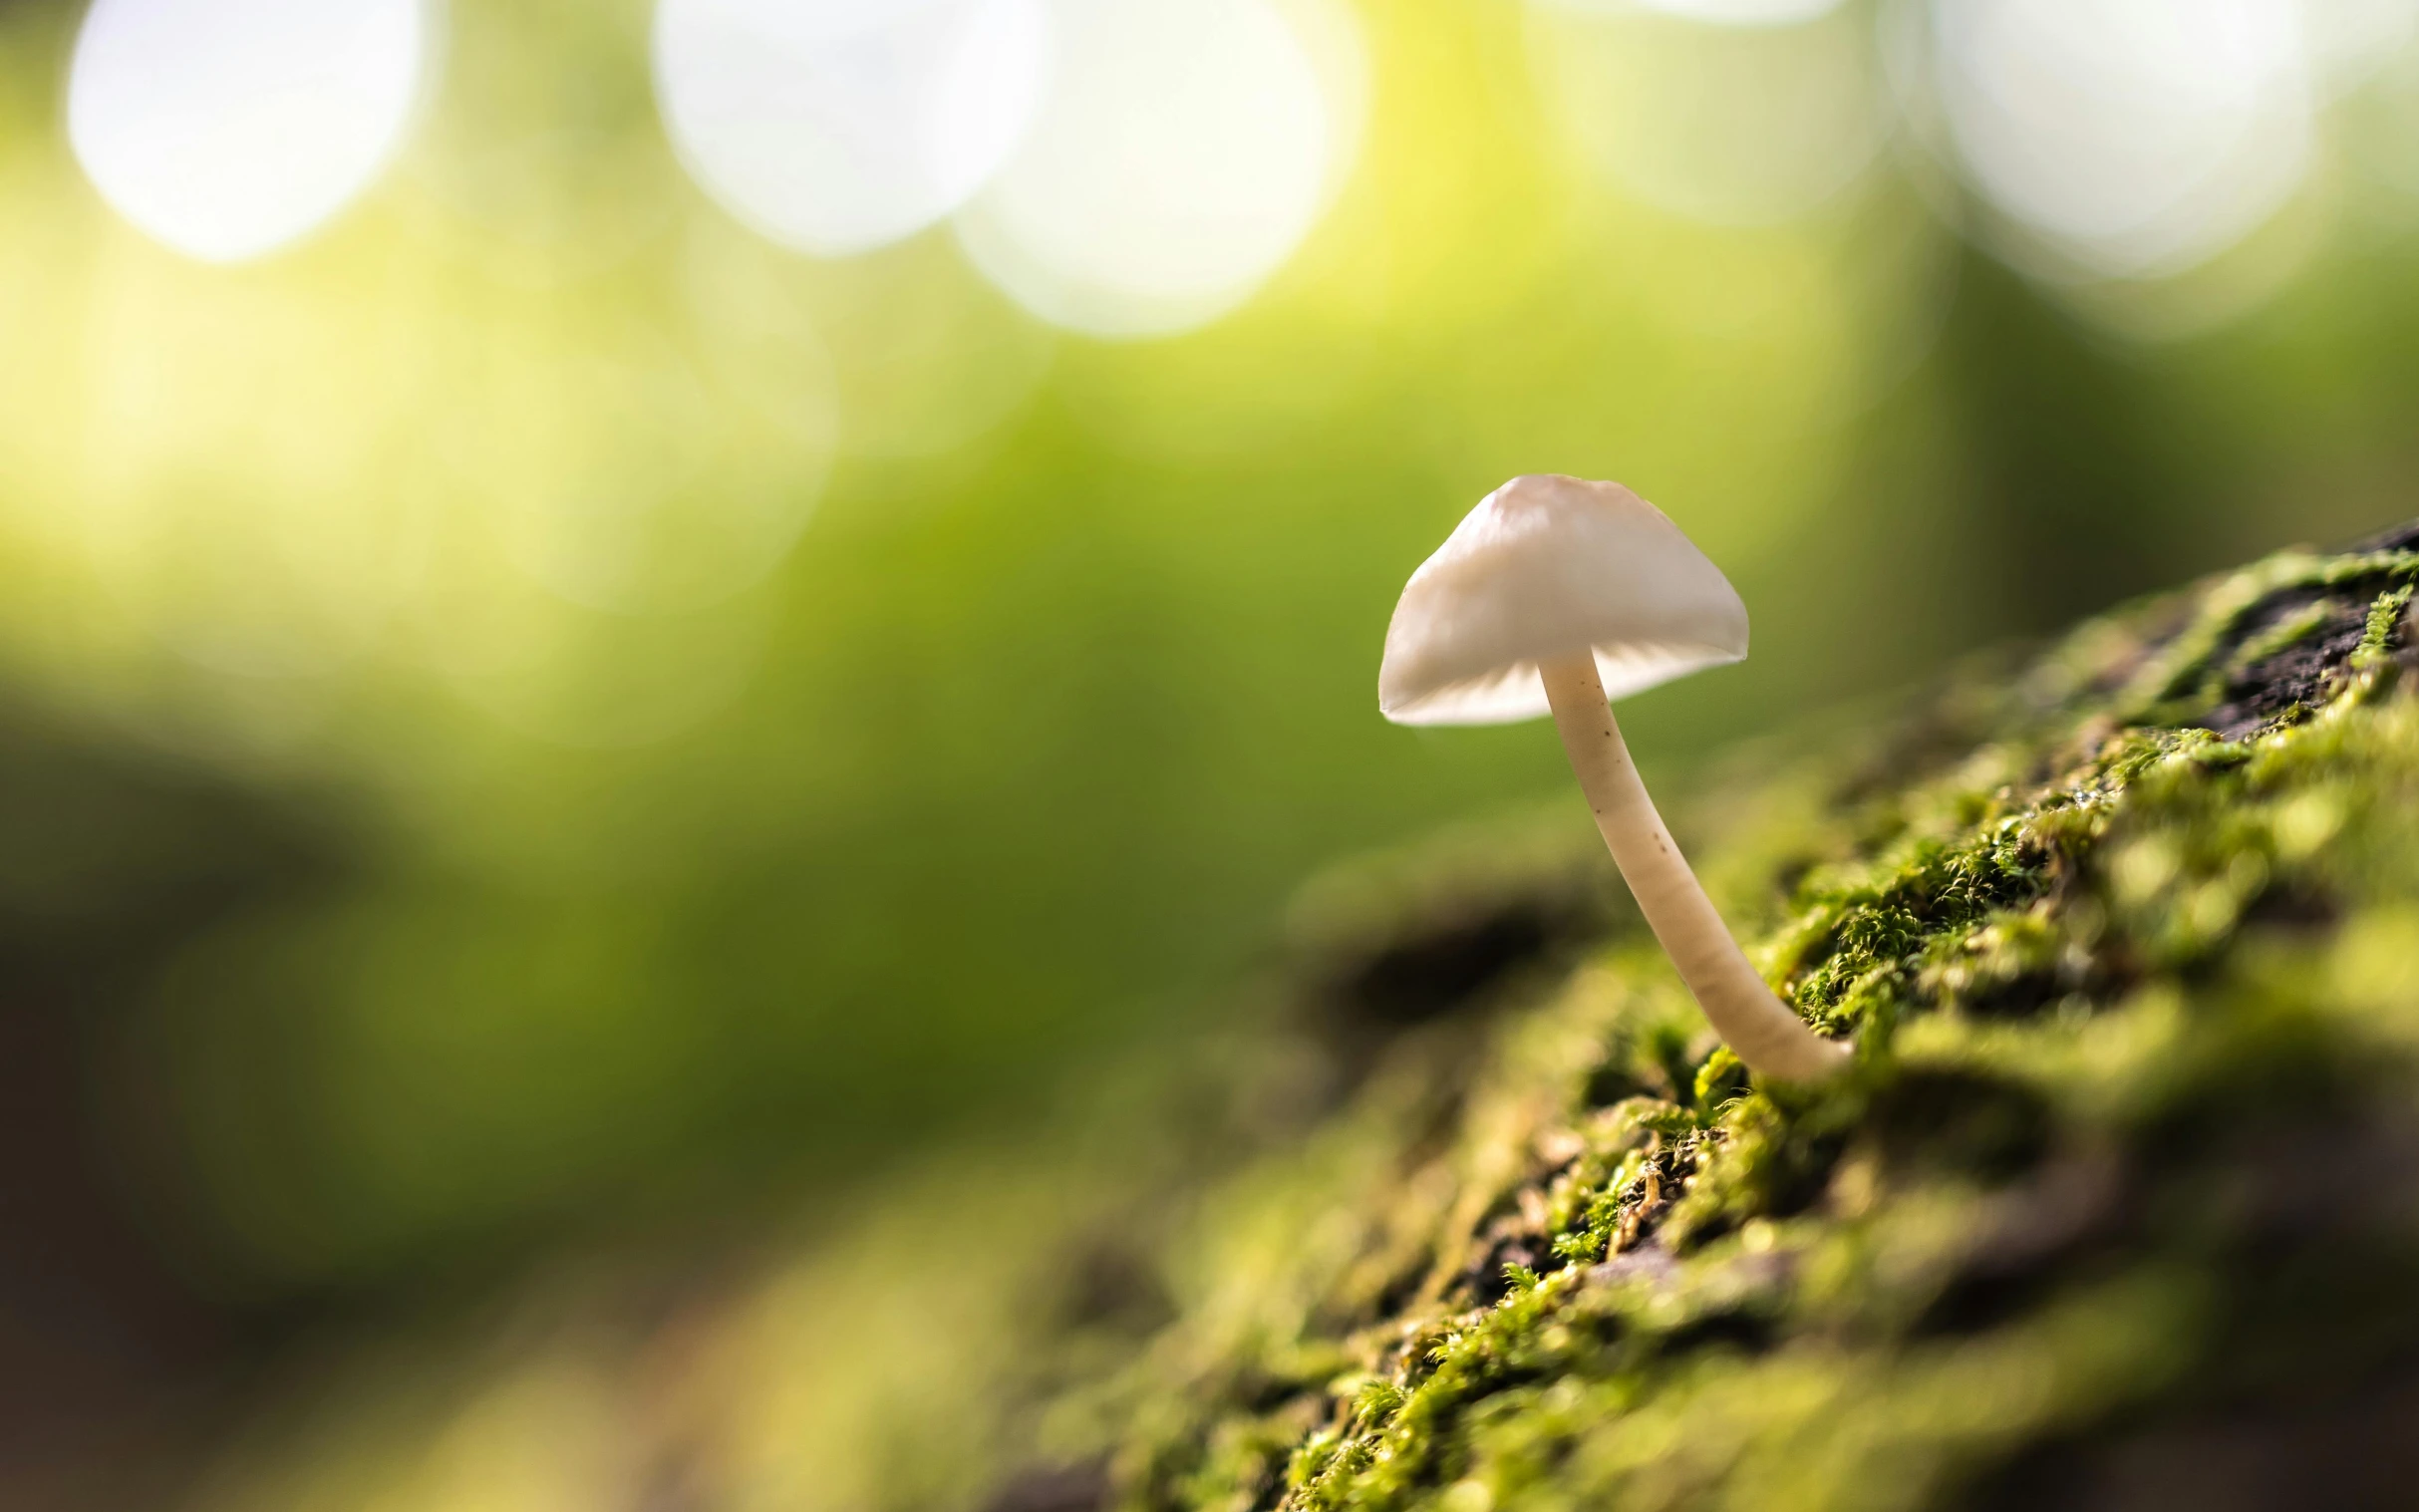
(1771, 1038)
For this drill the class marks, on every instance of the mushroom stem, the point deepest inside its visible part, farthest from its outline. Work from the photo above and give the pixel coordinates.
(1771, 1038)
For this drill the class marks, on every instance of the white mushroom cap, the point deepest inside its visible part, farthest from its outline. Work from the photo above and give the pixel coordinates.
(1549, 566)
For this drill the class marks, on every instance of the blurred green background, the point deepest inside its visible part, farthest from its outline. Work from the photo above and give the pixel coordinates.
(544, 706)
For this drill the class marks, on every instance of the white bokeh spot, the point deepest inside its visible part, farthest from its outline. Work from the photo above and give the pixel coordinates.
(2137, 138)
(1185, 149)
(228, 127)
(840, 126)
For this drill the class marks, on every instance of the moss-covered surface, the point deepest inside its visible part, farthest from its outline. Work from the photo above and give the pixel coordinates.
(2119, 1205)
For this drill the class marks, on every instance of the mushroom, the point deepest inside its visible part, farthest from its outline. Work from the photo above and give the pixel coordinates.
(1557, 595)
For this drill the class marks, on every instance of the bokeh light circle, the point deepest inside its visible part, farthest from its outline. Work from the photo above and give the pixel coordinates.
(228, 127)
(840, 126)
(2136, 137)
(1183, 152)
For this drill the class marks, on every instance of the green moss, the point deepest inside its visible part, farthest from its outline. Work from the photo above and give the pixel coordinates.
(2128, 943)
(2117, 1204)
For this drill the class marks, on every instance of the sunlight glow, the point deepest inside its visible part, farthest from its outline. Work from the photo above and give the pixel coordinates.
(840, 126)
(228, 127)
(1184, 151)
(2137, 138)
(245, 456)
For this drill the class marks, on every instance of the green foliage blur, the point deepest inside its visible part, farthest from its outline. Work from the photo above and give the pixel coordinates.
(957, 714)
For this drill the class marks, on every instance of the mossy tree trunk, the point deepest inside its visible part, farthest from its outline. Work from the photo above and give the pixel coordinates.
(2119, 1205)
